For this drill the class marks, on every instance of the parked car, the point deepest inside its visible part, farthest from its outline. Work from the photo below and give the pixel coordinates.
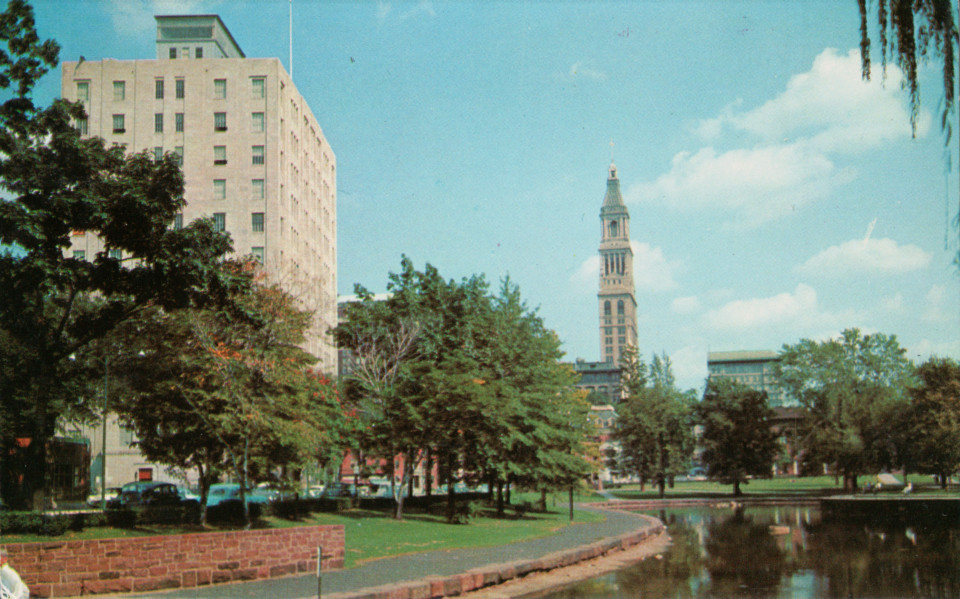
(335, 490)
(146, 493)
(315, 491)
(187, 494)
(223, 492)
(94, 499)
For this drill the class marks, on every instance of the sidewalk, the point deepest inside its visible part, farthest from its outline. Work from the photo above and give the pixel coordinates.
(417, 566)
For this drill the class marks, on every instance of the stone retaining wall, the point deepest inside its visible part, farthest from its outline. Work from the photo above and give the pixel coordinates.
(70, 568)
(435, 587)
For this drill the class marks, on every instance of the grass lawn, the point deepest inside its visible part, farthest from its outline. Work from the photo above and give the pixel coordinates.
(372, 534)
(808, 486)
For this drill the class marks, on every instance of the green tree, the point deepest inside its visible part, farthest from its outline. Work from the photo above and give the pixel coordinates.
(933, 442)
(738, 439)
(909, 29)
(52, 305)
(654, 427)
(851, 388)
(230, 390)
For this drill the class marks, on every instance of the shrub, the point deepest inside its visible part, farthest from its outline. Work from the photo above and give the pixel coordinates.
(463, 512)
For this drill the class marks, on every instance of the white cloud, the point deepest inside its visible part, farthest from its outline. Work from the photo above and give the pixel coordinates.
(752, 185)
(795, 141)
(685, 305)
(690, 365)
(780, 310)
(651, 270)
(587, 275)
(582, 70)
(937, 307)
(134, 18)
(876, 256)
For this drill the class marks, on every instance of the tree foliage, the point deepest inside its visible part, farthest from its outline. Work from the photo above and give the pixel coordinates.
(738, 438)
(229, 390)
(851, 387)
(52, 305)
(447, 369)
(933, 440)
(654, 427)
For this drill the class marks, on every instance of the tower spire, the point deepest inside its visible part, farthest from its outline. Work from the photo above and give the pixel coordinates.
(616, 294)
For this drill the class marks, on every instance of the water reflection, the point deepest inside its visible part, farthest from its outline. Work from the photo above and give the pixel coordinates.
(787, 552)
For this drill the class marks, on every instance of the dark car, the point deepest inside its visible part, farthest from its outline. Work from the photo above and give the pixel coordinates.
(148, 493)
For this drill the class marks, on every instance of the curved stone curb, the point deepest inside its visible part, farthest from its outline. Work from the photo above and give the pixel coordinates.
(435, 587)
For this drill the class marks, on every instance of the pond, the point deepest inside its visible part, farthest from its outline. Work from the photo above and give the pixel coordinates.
(767, 552)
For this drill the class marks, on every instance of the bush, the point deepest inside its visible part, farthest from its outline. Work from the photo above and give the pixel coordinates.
(35, 523)
(463, 512)
(232, 512)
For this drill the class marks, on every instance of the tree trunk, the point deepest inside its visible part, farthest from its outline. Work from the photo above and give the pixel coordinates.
(736, 488)
(543, 500)
(849, 482)
(499, 499)
(662, 486)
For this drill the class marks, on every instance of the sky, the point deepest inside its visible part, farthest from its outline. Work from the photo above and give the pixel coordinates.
(773, 194)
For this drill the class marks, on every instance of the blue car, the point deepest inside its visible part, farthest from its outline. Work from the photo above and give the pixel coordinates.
(224, 492)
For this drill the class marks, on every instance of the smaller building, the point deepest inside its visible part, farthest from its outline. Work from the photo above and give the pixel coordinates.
(755, 369)
(601, 379)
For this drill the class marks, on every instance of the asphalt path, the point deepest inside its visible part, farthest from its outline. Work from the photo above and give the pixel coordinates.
(415, 566)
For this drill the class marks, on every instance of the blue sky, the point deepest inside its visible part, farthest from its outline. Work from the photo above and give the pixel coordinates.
(773, 194)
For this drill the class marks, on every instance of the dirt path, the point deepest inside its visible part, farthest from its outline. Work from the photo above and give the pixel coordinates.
(542, 582)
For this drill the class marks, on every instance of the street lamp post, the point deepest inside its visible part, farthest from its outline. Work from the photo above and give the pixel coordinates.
(103, 439)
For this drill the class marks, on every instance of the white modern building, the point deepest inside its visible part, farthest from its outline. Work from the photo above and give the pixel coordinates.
(254, 159)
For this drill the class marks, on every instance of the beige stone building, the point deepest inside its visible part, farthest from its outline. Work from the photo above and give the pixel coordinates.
(616, 295)
(254, 159)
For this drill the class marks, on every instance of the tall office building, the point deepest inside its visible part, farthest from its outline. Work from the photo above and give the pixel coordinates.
(617, 297)
(254, 157)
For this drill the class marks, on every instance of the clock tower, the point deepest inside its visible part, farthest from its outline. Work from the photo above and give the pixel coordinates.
(617, 298)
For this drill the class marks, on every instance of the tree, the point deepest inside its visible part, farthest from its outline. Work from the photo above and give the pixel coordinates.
(738, 438)
(230, 390)
(52, 305)
(654, 429)
(851, 387)
(933, 442)
(916, 27)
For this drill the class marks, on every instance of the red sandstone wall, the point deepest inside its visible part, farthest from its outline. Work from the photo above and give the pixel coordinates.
(70, 568)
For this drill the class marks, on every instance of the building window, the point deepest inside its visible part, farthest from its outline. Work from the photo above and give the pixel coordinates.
(178, 151)
(257, 154)
(158, 122)
(83, 91)
(177, 222)
(219, 189)
(82, 126)
(219, 89)
(259, 87)
(119, 90)
(219, 155)
(606, 308)
(178, 122)
(219, 221)
(180, 88)
(620, 307)
(258, 189)
(158, 89)
(79, 254)
(257, 122)
(220, 121)
(198, 52)
(256, 222)
(118, 124)
(116, 254)
(173, 52)
(158, 153)
(257, 253)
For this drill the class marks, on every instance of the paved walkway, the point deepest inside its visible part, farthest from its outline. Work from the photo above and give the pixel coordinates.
(414, 566)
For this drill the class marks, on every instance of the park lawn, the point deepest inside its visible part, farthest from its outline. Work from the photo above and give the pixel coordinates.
(375, 534)
(783, 486)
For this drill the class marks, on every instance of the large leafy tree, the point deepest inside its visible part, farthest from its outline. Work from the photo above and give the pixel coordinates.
(654, 427)
(738, 438)
(852, 387)
(54, 305)
(230, 390)
(442, 367)
(932, 444)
